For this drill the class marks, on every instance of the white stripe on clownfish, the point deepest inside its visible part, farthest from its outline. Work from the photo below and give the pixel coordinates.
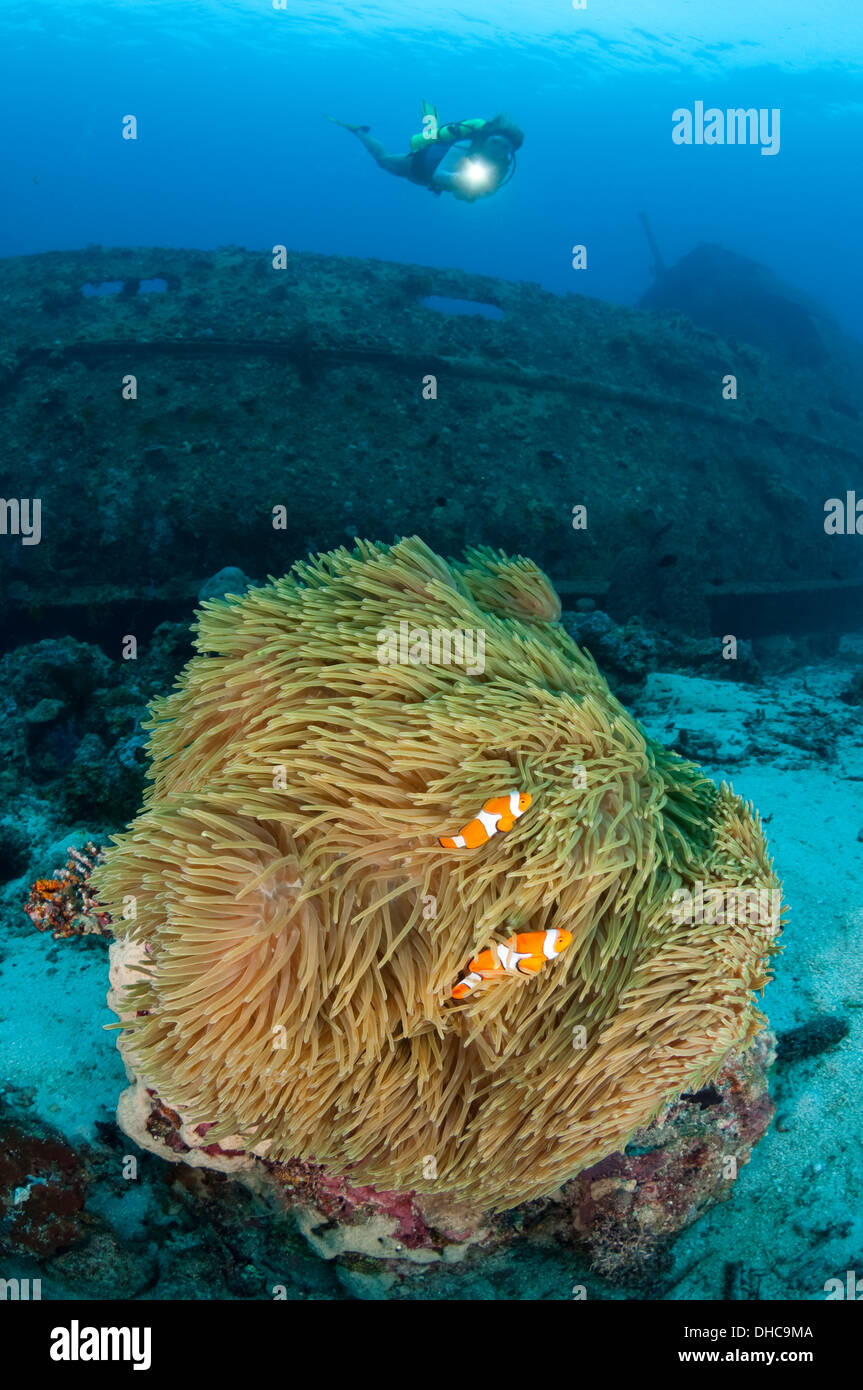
(550, 944)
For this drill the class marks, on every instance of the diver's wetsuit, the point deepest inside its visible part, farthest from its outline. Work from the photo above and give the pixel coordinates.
(425, 161)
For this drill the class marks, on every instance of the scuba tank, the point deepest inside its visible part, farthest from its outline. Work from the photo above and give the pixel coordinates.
(431, 145)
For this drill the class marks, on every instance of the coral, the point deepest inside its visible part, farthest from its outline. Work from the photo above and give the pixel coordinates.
(42, 1189)
(70, 732)
(625, 1208)
(621, 1213)
(337, 1217)
(65, 904)
(99, 783)
(300, 929)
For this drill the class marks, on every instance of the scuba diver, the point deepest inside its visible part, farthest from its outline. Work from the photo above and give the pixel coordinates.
(484, 154)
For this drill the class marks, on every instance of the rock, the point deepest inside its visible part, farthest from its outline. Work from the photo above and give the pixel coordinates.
(624, 654)
(819, 1034)
(618, 1215)
(853, 692)
(705, 655)
(42, 1188)
(229, 581)
(103, 1268)
(14, 852)
(776, 653)
(45, 712)
(697, 745)
(60, 670)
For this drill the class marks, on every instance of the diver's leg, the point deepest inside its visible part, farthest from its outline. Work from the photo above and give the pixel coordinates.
(398, 164)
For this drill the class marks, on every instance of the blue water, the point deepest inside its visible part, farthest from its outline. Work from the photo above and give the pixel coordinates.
(232, 147)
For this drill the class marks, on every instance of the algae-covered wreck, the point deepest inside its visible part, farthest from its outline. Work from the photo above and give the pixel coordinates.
(176, 411)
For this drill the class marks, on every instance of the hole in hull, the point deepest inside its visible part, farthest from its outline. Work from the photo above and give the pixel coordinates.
(106, 287)
(442, 305)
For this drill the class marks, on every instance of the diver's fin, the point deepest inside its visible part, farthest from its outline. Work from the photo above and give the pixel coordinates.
(428, 108)
(347, 124)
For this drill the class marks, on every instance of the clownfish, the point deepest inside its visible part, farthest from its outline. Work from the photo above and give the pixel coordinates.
(500, 813)
(526, 952)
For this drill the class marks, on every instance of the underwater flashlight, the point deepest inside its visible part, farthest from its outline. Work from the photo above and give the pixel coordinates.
(476, 171)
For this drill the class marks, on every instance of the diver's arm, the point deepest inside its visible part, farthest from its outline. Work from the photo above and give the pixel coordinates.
(444, 181)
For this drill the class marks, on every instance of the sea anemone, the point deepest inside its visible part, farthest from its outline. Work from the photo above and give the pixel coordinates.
(301, 928)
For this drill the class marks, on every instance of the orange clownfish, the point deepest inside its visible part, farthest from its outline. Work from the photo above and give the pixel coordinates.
(526, 952)
(500, 813)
